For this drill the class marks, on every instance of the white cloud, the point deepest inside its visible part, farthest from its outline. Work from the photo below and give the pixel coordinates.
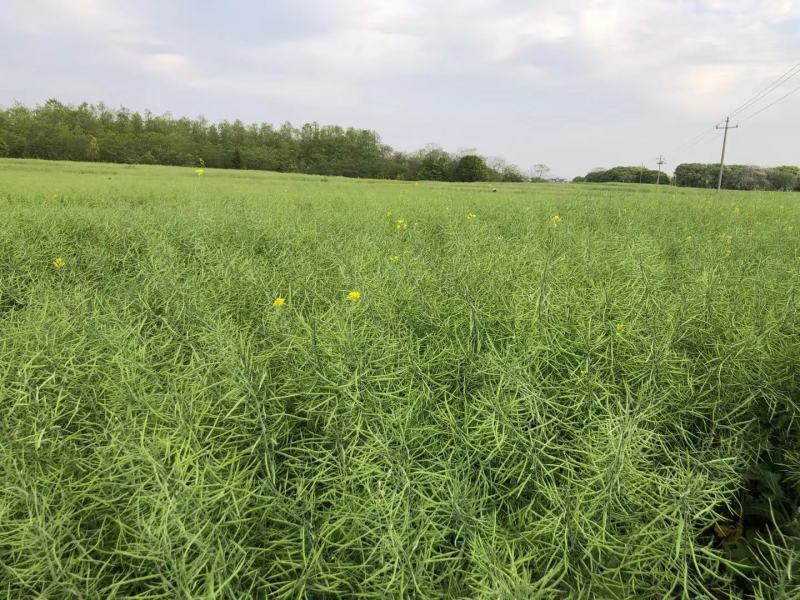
(346, 51)
(450, 61)
(771, 10)
(163, 62)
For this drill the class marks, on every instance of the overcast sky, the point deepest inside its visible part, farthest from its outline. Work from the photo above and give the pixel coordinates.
(575, 84)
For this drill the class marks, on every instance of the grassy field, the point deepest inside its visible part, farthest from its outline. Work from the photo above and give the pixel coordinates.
(546, 391)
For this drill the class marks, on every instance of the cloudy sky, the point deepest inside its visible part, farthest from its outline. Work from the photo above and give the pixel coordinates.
(575, 84)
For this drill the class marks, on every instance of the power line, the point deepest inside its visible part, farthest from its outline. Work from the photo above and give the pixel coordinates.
(771, 104)
(724, 142)
(691, 142)
(660, 163)
(763, 93)
(750, 103)
(760, 95)
(697, 139)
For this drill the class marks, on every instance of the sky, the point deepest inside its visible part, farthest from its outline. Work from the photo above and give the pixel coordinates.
(573, 84)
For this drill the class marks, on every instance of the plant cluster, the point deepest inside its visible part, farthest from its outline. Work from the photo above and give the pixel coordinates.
(258, 385)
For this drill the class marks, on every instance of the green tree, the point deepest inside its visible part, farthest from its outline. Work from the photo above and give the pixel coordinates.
(92, 149)
(471, 168)
(55, 130)
(436, 165)
(747, 178)
(784, 178)
(512, 174)
(695, 175)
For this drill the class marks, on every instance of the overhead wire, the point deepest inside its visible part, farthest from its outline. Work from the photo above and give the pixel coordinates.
(751, 102)
(770, 105)
(766, 91)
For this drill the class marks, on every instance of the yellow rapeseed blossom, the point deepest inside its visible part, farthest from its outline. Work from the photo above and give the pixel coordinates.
(354, 296)
(58, 262)
(400, 225)
(728, 239)
(394, 258)
(279, 302)
(556, 219)
(200, 172)
(471, 216)
(619, 328)
(737, 211)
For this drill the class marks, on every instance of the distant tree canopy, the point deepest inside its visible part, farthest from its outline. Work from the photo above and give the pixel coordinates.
(624, 175)
(703, 175)
(471, 168)
(738, 177)
(57, 131)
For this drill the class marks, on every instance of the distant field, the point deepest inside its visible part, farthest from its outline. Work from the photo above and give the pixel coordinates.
(547, 391)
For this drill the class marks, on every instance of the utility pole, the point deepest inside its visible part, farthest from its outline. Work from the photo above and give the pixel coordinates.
(724, 142)
(659, 163)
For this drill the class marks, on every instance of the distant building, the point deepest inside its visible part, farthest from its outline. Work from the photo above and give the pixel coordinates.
(557, 180)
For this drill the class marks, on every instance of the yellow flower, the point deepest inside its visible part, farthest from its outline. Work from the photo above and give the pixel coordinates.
(354, 296)
(689, 238)
(58, 262)
(400, 225)
(471, 216)
(556, 219)
(728, 239)
(279, 302)
(737, 211)
(619, 328)
(394, 258)
(200, 172)
(790, 228)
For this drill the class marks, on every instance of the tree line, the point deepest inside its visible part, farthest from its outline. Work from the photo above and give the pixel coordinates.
(624, 175)
(738, 177)
(702, 175)
(58, 131)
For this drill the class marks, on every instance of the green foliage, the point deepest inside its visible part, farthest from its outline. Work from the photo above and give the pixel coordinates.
(512, 174)
(470, 168)
(738, 177)
(92, 151)
(696, 175)
(627, 175)
(599, 406)
(784, 179)
(436, 165)
(60, 132)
